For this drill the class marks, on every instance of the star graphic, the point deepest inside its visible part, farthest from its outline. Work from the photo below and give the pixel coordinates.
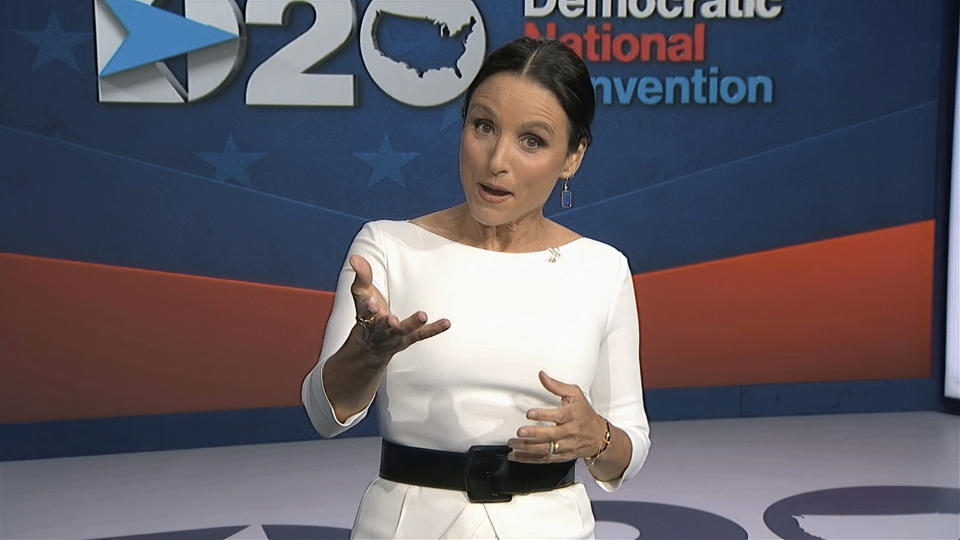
(53, 43)
(386, 163)
(231, 163)
(452, 116)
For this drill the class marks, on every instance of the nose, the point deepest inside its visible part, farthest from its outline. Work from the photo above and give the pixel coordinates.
(499, 154)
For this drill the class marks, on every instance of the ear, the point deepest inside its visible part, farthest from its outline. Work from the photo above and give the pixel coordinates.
(572, 162)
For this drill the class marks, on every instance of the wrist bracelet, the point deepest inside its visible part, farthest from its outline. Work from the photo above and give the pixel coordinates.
(604, 444)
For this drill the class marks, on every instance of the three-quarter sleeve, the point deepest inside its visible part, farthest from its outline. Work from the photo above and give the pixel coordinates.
(616, 393)
(366, 244)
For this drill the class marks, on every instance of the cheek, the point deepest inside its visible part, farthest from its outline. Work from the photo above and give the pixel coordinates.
(473, 156)
(541, 172)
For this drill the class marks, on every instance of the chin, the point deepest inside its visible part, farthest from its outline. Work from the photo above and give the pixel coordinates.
(486, 216)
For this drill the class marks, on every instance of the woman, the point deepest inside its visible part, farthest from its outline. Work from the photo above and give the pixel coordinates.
(535, 363)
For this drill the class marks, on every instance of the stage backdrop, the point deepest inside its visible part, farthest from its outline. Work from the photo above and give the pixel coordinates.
(180, 182)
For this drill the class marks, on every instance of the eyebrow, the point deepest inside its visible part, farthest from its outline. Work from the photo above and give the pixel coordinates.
(535, 124)
(482, 108)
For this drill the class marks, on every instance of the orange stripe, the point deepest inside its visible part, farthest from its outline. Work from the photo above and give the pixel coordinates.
(85, 340)
(80, 340)
(850, 308)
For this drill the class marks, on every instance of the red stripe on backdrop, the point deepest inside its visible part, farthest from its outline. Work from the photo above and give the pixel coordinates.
(850, 308)
(80, 340)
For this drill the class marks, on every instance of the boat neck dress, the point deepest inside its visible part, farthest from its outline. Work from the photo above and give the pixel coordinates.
(569, 311)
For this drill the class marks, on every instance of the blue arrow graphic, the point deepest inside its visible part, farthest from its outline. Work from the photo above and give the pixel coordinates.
(154, 34)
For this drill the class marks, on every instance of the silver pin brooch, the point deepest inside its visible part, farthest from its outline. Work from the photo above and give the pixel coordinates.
(554, 254)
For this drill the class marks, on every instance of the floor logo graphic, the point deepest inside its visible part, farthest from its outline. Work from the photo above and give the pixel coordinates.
(134, 37)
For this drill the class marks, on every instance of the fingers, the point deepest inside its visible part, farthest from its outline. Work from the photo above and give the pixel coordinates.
(389, 335)
(365, 295)
(386, 332)
(430, 330)
(558, 388)
(412, 322)
(538, 452)
(416, 327)
(541, 434)
(558, 416)
(568, 438)
(364, 277)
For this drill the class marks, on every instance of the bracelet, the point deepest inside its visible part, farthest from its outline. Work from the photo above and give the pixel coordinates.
(604, 444)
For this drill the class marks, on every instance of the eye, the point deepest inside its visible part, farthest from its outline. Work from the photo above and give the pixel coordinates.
(532, 142)
(483, 126)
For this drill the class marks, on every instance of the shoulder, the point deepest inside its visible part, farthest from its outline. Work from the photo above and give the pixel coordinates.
(604, 252)
(601, 260)
(397, 236)
(382, 229)
(594, 252)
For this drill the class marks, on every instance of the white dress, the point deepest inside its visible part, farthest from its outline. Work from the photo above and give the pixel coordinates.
(511, 315)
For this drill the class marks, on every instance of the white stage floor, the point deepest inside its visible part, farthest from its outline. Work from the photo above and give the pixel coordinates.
(703, 479)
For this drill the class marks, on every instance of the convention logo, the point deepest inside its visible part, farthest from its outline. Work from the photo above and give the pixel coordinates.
(135, 37)
(603, 33)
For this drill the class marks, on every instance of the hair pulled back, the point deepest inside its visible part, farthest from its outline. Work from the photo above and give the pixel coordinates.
(554, 66)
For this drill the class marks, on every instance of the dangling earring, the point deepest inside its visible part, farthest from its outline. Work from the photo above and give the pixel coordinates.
(566, 196)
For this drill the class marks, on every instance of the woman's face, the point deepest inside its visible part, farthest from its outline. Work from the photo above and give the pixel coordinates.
(513, 149)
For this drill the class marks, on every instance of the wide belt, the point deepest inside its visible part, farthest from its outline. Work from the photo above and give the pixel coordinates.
(483, 472)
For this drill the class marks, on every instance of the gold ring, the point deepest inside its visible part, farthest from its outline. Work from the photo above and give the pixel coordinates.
(554, 448)
(366, 322)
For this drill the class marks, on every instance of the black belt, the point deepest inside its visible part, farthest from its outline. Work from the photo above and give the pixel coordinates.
(483, 472)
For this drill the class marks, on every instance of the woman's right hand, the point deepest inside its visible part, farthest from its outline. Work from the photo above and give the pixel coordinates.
(386, 335)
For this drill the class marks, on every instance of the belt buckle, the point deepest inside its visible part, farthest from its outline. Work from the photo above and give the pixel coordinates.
(486, 467)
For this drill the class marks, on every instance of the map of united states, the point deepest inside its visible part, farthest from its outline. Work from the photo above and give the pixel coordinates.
(421, 44)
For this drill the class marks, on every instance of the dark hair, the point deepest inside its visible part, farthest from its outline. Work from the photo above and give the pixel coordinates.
(554, 66)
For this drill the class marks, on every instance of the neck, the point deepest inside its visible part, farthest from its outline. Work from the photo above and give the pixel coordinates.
(525, 234)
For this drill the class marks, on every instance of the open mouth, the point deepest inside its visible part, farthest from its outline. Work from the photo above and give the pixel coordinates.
(493, 192)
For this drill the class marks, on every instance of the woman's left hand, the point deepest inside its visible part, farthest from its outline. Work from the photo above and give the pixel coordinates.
(578, 431)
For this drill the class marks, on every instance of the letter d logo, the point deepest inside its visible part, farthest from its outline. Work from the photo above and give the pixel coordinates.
(134, 37)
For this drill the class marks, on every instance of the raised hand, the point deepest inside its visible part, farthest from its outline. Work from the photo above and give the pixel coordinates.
(382, 332)
(577, 433)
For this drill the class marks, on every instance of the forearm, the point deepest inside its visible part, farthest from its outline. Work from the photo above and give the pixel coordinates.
(352, 375)
(611, 464)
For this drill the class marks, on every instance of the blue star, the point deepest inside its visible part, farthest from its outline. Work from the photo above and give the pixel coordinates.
(386, 163)
(53, 43)
(452, 116)
(230, 163)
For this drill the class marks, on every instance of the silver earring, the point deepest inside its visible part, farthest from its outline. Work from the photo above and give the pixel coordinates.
(566, 196)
